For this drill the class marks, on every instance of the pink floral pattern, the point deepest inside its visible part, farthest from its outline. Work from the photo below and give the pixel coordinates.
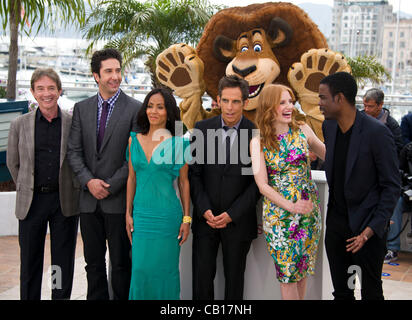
(292, 239)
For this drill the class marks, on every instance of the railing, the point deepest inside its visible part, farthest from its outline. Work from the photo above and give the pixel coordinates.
(74, 91)
(88, 87)
(9, 111)
(399, 105)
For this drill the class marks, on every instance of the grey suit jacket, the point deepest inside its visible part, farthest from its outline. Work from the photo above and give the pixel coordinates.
(20, 162)
(109, 163)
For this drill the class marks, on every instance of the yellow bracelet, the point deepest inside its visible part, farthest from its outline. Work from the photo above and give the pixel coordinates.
(187, 219)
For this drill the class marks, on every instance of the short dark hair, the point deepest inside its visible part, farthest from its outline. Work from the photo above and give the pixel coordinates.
(374, 94)
(104, 54)
(342, 82)
(234, 81)
(173, 112)
(45, 72)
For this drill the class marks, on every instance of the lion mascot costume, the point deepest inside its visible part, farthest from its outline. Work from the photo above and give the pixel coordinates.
(274, 42)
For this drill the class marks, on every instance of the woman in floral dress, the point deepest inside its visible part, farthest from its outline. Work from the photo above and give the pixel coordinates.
(281, 166)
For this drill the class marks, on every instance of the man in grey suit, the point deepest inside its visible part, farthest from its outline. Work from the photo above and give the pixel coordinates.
(47, 191)
(96, 151)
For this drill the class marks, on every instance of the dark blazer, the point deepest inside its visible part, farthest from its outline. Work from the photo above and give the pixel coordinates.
(372, 181)
(406, 128)
(394, 127)
(109, 163)
(221, 187)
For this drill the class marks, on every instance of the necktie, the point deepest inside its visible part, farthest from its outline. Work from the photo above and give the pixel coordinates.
(227, 142)
(102, 124)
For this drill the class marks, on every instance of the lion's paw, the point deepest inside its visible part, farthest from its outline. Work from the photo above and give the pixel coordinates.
(314, 65)
(179, 68)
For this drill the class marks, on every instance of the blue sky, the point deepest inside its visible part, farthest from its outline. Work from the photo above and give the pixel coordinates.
(406, 5)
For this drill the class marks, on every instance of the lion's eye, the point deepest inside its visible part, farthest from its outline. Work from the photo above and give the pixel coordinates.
(257, 48)
(244, 49)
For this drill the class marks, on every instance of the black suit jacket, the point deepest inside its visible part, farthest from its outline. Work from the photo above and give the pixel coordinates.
(221, 187)
(372, 180)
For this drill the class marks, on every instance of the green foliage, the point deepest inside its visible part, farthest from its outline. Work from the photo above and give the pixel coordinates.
(366, 68)
(139, 29)
(36, 14)
(3, 92)
(29, 16)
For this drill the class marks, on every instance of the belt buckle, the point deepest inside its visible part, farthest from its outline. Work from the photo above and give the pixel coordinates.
(44, 189)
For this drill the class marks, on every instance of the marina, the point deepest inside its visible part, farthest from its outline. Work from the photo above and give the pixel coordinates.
(68, 57)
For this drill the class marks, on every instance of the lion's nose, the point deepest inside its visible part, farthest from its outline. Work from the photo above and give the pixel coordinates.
(244, 72)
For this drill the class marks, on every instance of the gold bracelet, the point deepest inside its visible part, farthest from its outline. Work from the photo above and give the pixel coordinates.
(187, 219)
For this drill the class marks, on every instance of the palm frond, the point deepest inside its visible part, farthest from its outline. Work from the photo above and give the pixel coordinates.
(33, 15)
(366, 68)
(147, 28)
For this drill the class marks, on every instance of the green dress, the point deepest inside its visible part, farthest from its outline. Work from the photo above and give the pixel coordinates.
(292, 239)
(157, 216)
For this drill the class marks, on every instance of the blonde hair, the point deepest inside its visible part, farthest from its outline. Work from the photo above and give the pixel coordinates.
(269, 100)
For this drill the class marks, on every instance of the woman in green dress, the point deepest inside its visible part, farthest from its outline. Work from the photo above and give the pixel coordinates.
(157, 221)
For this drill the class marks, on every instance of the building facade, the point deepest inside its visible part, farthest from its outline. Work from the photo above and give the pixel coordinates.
(400, 54)
(357, 26)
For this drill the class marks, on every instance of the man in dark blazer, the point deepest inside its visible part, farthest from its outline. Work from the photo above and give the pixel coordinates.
(364, 184)
(224, 193)
(373, 100)
(96, 151)
(47, 191)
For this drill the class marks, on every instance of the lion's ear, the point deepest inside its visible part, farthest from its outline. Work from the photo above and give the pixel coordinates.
(224, 48)
(280, 32)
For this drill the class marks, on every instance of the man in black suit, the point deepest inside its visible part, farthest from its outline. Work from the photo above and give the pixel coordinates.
(364, 184)
(224, 193)
(97, 154)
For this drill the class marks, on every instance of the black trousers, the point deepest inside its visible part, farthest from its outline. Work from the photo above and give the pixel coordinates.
(45, 209)
(367, 262)
(205, 249)
(96, 228)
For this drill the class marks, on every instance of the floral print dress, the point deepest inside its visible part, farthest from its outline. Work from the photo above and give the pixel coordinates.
(292, 239)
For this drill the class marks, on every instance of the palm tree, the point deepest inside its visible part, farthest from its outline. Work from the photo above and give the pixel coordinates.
(367, 68)
(139, 29)
(24, 14)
